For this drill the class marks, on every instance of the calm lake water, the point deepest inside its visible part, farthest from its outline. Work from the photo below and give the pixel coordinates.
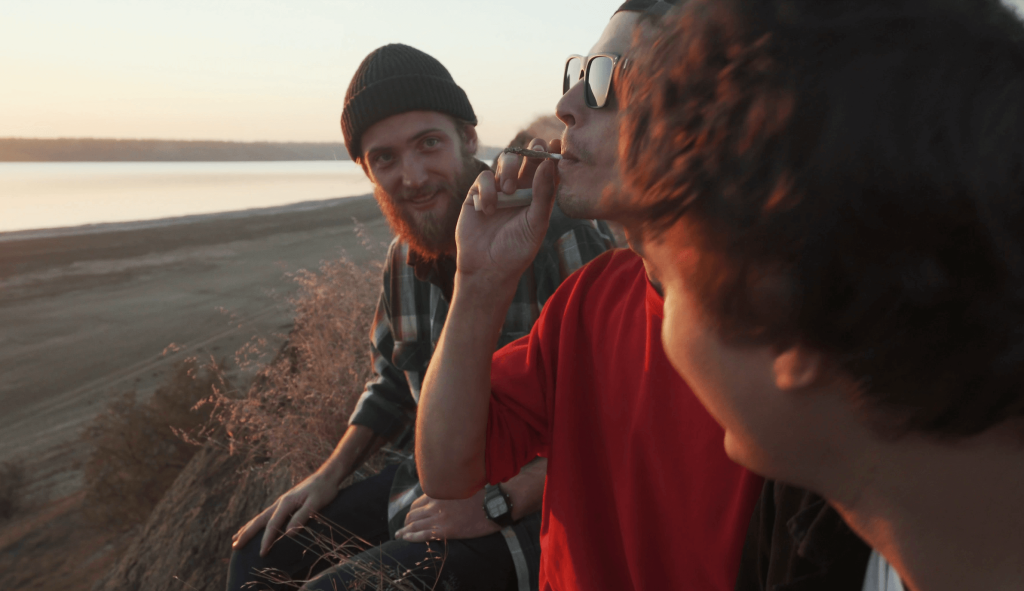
(36, 195)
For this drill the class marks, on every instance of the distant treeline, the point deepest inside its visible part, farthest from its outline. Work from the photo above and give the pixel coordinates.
(101, 150)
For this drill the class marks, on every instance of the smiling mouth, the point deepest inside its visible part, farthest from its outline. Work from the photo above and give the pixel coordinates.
(422, 199)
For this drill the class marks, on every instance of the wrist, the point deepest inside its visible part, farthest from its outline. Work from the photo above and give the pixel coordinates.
(357, 444)
(339, 466)
(486, 288)
(480, 303)
(332, 474)
(527, 488)
(498, 505)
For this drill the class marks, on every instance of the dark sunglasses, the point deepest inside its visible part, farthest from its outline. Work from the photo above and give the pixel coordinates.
(596, 72)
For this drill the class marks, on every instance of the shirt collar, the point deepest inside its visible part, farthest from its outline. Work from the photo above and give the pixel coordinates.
(820, 533)
(654, 300)
(438, 271)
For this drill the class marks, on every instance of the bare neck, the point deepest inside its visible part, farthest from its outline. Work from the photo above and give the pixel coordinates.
(946, 516)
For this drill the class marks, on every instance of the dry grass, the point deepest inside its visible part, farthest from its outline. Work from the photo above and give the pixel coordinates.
(297, 408)
(293, 415)
(371, 575)
(281, 428)
(139, 448)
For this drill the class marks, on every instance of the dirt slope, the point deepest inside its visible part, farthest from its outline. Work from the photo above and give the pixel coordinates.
(186, 543)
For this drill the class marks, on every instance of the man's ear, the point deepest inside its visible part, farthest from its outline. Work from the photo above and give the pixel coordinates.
(471, 139)
(797, 367)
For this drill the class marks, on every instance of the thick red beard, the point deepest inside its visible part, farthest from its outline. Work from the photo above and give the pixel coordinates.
(429, 234)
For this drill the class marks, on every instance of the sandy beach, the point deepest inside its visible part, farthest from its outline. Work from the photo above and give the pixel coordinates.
(91, 312)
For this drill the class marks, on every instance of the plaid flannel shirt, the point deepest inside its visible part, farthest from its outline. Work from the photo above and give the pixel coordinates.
(413, 308)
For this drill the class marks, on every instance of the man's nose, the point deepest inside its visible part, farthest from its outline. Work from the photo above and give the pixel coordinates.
(568, 107)
(414, 172)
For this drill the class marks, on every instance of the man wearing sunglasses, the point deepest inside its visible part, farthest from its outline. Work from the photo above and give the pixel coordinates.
(639, 492)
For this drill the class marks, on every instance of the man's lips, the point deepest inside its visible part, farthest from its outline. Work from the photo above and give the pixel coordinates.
(423, 199)
(568, 157)
(568, 153)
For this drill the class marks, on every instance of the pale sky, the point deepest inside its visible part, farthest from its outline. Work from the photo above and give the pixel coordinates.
(270, 70)
(275, 70)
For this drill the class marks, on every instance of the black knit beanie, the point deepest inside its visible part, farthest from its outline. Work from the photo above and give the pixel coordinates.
(397, 79)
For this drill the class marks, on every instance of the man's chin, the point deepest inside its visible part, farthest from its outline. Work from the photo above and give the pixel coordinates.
(576, 206)
(429, 234)
(429, 230)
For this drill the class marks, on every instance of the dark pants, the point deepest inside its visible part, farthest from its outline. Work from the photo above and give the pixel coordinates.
(348, 544)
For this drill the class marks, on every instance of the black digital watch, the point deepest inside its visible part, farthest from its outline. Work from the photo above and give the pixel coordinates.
(497, 505)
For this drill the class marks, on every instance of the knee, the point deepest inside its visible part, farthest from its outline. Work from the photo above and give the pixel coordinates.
(245, 564)
(251, 549)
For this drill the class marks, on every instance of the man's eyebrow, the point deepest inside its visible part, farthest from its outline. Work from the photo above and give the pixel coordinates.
(427, 131)
(414, 138)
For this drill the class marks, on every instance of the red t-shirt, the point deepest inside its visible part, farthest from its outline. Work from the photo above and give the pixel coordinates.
(639, 492)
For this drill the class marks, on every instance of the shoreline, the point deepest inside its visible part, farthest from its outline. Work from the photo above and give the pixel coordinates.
(105, 227)
(28, 252)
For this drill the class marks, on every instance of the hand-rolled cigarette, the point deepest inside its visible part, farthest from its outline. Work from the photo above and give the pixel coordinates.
(520, 198)
(532, 153)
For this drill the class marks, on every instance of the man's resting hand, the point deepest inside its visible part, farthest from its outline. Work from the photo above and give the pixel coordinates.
(431, 519)
(295, 507)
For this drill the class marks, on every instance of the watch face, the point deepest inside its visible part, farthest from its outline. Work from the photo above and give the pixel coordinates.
(496, 506)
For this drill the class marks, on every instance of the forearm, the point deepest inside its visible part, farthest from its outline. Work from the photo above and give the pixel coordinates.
(451, 424)
(356, 445)
(526, 489)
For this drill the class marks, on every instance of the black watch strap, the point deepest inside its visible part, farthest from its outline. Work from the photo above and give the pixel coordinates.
(498, 505)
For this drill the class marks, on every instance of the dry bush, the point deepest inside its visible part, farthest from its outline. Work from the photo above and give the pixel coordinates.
(139, 448)
(283, 428)
(298, 406)
(12, 485)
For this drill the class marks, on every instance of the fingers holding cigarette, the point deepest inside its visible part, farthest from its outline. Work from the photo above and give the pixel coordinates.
(518, 168)
(481, 196)
(520, 198)
(515, 170)
(532, 153)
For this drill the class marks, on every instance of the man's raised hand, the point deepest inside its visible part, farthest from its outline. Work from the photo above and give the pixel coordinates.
(496, 245)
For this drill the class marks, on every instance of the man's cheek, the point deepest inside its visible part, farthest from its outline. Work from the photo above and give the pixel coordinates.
(671, 338)
(684, 347)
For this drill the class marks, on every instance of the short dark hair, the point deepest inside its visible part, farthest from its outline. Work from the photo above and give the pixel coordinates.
(461, 128)
(852, 175)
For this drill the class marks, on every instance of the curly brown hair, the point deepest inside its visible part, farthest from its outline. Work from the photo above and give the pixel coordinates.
(852, 175)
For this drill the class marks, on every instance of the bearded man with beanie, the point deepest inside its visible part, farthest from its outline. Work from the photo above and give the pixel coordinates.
(412, 129)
